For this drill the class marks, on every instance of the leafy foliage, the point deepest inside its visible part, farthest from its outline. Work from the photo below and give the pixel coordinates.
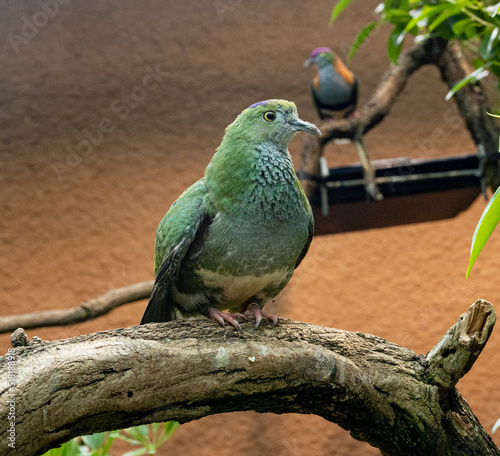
(71, 448)
(474, 23)
(147, 437)
(148, 441)
(487, 223)
(485, 227)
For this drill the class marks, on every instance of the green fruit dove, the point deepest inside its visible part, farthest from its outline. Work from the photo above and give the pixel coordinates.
(231, 241)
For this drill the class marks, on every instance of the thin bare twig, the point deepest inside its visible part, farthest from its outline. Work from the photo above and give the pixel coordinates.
(86, 311)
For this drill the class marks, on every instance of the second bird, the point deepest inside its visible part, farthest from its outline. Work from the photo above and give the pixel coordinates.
(334, 87)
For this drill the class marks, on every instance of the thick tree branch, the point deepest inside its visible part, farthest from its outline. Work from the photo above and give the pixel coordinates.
(86, 311)
(473, 106)
(471, 100)
(459, 348)
(185, 370)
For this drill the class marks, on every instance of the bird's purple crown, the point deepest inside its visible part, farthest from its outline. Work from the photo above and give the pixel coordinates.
(259, 103)
(319, 50)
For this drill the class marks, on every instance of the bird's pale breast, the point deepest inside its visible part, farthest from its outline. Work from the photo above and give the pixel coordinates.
(239, 289)
(333, 89)
(245, 259)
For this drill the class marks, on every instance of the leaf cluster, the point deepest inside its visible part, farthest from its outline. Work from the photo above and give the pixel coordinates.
(147, 437)
(473, 23)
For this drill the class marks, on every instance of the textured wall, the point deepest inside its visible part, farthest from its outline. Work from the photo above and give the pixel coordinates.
(108, 110)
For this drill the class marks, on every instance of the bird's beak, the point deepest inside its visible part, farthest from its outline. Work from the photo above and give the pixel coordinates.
(308, 62)
(301, 125)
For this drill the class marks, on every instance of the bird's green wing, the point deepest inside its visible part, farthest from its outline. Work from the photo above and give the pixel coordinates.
(308, 242)
(175, 233)
(310, 228)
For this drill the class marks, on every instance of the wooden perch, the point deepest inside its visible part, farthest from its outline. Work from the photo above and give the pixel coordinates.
(86, 311)
(459, 348)
(471, 101)
(51, 391)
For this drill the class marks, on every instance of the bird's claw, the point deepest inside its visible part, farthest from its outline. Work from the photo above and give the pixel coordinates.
(255, 311)
(222, 317)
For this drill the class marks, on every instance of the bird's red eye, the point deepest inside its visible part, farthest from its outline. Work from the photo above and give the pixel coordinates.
(269, 116)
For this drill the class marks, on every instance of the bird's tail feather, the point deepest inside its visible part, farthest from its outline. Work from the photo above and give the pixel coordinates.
(160, 308)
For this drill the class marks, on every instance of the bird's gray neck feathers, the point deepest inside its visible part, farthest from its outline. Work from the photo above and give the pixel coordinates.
(272, 195)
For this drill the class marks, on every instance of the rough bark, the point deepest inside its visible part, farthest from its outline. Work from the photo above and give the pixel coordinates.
(473, 106)
(184, 370)
(86, 311)
(471, 101)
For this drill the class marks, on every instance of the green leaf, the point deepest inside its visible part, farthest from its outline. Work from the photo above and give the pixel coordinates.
(338, 8)
(444, 15)
(495, 9)
(71, 448)
(170, 427)
(108, 442)
(168, 430)
(471, 32)
(476, 75)
(426, 13)
(460, 27)
(423, 14)
(495, 69)
(137, 452)
(477, 63)
(396, 16)
(94, 441)
(140, 433)
(491, 41)
(129, 440)
(485, 227)
(394, 45)
(360, 38)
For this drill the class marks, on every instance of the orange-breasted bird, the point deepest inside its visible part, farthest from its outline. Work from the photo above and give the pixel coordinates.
(334, 87)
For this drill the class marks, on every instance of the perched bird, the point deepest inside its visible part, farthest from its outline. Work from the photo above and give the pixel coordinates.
(232, 240)
(334, 87)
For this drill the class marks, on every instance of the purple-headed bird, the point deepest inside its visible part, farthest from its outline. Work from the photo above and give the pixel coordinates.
(334, 87)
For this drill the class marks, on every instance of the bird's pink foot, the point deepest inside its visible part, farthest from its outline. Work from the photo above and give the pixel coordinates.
(255, 311)
(222, 317)
(352, 114)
